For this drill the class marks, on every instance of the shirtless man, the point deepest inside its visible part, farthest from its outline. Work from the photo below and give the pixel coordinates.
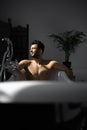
(38, 68)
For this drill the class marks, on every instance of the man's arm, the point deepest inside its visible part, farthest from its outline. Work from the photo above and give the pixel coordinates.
(62, 67)
(22, 64)
(20, 69)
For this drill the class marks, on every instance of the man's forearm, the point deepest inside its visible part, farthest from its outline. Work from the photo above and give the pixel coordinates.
(20, 75)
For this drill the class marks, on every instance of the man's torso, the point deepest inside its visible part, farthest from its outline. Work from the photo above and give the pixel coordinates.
(34, 71)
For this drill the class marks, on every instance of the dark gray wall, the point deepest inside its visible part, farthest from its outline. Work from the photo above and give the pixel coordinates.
(51, 16)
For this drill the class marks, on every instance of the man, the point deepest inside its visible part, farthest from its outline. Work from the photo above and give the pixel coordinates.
(38, 68)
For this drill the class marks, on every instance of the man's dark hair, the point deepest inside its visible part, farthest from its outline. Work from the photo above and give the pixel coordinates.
(40, 44)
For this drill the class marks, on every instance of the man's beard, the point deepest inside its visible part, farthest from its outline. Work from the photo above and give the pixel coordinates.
(36, 56)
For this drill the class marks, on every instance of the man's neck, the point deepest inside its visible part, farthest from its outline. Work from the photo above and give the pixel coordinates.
(38, 60)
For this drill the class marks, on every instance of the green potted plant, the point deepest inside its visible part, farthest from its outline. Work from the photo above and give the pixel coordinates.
(68, 41)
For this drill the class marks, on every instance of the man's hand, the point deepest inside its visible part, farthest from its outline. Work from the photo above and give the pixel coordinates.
(11, 66)
(70, 74)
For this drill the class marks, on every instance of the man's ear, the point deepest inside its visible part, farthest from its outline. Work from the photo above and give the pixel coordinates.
(40, 51)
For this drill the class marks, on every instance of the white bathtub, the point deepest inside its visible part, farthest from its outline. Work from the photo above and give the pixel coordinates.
(43, 91)
(58, 90)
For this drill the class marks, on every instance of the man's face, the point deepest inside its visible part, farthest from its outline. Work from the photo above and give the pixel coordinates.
(34, 51)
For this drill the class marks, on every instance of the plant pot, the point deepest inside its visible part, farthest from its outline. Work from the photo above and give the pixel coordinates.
(67, 63)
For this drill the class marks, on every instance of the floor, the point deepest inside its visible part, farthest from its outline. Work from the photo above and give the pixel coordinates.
(41, 116)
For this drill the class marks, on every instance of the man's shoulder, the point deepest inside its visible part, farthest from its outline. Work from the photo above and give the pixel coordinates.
(25, 61)
(51, 61)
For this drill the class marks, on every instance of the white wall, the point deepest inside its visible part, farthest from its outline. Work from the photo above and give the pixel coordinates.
(51, 16)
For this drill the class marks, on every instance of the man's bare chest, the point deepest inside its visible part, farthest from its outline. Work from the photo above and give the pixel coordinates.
(38, 69)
